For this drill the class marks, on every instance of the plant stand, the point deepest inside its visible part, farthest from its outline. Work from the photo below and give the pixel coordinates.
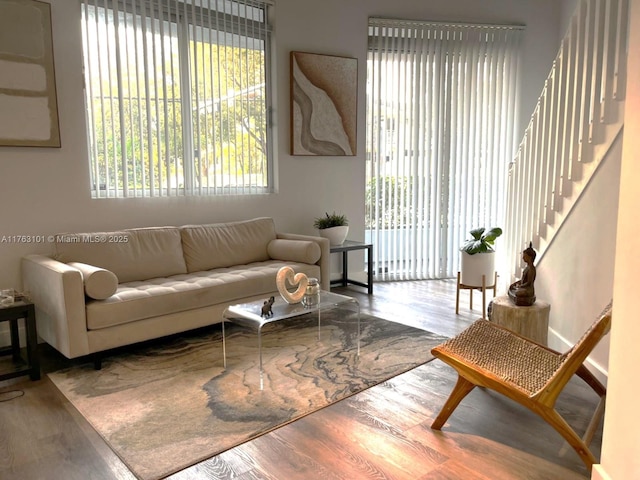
(483, 288)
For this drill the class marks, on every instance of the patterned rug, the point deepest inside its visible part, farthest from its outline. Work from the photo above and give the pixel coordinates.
(168, 405)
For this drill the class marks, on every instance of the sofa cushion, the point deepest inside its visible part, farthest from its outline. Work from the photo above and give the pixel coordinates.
(98, 282)
(222, 245)
(303, 251)
(134, 254)
(162, 296)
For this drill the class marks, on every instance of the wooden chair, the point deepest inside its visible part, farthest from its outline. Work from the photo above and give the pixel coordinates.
(533, 375)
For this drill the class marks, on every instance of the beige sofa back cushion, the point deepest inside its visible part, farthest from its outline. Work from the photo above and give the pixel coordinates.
(222, 245)
(134, 254)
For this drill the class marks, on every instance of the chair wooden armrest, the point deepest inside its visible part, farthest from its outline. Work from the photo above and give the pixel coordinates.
(531, 374)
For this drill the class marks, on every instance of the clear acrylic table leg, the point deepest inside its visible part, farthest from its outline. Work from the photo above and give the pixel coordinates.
(356, 308)
(260, 357)
(249, 320)
(358, 338)
(224, 347)
(355, 305)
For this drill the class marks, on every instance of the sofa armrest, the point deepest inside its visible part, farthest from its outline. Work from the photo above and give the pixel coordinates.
(57, 291)
(324, 261)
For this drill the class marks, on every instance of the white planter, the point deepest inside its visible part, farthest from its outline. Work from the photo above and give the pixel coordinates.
(474, 266)
(336, 235)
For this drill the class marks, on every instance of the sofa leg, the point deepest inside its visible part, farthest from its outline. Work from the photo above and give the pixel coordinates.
(97, 362)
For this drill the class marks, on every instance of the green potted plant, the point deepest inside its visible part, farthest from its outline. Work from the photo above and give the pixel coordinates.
(478, 256)
(333, 226)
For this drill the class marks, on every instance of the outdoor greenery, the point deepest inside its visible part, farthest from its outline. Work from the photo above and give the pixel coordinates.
(140, 138)
(385, 195)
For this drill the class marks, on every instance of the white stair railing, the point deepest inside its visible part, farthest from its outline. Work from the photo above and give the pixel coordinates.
(576, 120)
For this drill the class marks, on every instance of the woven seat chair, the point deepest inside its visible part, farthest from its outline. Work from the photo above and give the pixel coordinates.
(531, 374)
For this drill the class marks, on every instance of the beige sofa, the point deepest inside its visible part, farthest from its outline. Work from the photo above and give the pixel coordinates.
(104, 290)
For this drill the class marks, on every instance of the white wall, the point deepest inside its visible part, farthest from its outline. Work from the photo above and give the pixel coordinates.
(621, 441)
(46, 191)
(575, 275)
(566, 12)
(48, 188)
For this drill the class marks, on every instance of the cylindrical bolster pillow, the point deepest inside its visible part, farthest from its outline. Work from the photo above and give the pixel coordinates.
(98, 282)
(303, 251)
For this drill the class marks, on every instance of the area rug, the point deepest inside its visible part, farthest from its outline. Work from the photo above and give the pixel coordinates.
(166, 406)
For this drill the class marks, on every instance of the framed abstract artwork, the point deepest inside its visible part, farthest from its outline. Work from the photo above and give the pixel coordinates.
(324, 98)
(28, 104)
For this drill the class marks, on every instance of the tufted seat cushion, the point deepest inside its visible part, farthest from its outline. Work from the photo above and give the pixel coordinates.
(161, 296)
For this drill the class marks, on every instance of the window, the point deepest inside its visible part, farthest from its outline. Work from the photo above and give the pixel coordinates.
(441, 111)
(178, 97)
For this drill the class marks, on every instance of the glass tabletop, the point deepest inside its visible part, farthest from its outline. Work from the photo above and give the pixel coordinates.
(252, 311)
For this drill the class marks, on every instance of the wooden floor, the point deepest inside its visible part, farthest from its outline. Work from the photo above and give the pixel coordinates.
(381, 433)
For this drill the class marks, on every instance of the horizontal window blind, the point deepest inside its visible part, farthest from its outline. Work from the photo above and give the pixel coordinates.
(441, 114)
(177, 96)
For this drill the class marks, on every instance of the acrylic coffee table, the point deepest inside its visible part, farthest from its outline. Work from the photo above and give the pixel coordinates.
(249, 315)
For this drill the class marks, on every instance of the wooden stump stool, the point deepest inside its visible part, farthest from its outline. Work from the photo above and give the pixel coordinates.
(531, 322)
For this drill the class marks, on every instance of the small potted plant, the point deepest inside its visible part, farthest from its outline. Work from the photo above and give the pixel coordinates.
(335, 227)
(478, 256)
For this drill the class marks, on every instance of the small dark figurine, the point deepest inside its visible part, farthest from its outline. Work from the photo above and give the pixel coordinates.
(522, 292)
(266, 308)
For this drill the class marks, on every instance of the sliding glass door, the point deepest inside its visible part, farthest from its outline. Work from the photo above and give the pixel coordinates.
(441, 116)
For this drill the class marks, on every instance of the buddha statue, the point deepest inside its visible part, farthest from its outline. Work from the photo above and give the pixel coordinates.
(522, 292)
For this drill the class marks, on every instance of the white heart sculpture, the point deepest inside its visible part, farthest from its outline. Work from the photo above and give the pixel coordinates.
(287, 274)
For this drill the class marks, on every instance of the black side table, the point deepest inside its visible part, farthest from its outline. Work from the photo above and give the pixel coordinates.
(31, 365)
(345, 248)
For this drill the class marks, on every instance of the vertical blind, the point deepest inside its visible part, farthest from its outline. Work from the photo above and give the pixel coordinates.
(441, 117)
(177, 97)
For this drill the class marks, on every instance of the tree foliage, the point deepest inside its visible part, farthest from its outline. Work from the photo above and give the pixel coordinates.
(138, 135)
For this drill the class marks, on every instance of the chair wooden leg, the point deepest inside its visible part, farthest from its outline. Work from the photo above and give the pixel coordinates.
(562, 427)
(462, 388)
(590, 379)
(595, 421)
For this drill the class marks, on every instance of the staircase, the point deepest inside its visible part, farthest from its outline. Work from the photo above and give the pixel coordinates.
(577, 118)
